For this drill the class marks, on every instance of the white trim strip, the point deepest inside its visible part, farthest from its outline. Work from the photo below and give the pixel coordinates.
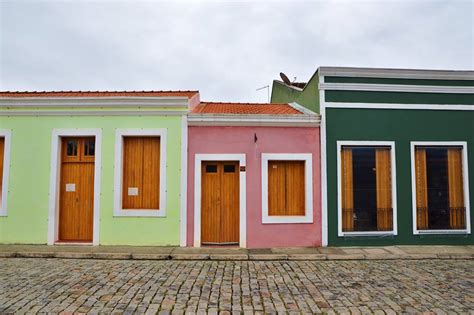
(81, 102)
(465, 174)
(53, 212)
(254, 120)
(398, 106)
(396, 88)
(199, 158)
(118, 171)
(390, 144)
(396, 73)
(184, 181)
(137, 112)
(324, 200)
(7, 134)
(308, 187)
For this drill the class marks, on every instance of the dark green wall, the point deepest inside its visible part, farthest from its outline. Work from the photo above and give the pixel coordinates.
(398, 97)
(401, 126)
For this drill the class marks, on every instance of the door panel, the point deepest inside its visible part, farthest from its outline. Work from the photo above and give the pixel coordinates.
(230, 202)
(220, 203)
(210, 203)
(76, 199)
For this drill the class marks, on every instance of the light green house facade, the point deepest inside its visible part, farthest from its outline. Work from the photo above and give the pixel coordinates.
(32, 125)
(406, 113)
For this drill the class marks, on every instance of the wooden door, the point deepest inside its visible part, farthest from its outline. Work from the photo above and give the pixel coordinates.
(220, 203)
(76, 200)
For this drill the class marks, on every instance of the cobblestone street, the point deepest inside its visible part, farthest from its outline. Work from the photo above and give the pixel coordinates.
(55, 285)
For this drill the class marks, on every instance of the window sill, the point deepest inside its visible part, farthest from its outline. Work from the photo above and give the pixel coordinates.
(140, 213)
(286, 219)
(375, 233)
(433, 232)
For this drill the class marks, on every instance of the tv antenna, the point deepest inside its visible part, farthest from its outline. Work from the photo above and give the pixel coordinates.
(268, 91)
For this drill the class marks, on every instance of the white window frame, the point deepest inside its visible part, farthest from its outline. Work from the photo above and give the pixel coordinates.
(119, 135)
(199, 158)
(308, 176)
(54, 182)
(465, 175)
(7, 134)
(390, 144)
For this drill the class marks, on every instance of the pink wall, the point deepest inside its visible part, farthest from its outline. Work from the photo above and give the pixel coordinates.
(220, 140)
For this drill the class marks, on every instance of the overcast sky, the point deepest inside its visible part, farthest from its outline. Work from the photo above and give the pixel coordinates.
(224, 50)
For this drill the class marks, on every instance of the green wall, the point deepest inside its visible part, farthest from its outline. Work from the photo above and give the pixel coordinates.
(401, 126)
(308, 97)
(27, 220)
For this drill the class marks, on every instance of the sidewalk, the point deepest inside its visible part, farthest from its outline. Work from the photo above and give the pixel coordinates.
(206, 253)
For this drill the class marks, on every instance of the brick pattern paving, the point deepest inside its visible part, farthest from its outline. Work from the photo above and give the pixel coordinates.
(345, 287)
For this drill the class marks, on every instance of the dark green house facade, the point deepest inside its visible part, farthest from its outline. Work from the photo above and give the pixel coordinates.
(397, 152)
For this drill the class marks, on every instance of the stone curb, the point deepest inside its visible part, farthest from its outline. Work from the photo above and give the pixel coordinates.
(232, 257)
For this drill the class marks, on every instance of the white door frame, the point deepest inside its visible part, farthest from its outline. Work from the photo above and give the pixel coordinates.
(199, 158)
(55, 175)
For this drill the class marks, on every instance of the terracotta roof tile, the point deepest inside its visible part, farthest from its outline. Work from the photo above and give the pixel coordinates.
(245, 108)
(188, 94)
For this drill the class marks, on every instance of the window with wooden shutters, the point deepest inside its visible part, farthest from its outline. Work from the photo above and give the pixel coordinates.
(140, 178)
(365, 188)
(287, 188)
(439, 186)
(141, 173)
(5, 139)
(2, 158)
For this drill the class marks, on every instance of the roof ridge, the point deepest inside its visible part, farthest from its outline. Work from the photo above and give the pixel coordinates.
(100, 91)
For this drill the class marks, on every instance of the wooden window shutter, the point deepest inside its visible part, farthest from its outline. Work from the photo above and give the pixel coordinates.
(295, 188)
(421, 189)
(456, 193)
(141, 173)
(2, 156)
(347, 190)
(286, 188)
(383, 189)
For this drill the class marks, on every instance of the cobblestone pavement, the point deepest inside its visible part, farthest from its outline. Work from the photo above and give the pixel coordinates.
(55, 285)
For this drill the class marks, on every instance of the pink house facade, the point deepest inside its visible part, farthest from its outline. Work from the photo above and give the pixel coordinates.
(239, 153)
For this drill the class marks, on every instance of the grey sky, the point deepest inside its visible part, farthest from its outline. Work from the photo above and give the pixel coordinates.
(225, 50)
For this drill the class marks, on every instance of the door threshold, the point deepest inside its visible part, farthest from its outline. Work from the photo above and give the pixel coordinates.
(64, 243)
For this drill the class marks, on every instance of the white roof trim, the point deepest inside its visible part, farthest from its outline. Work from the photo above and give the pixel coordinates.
(396, 88)
(302, 109)
(396, 73)
(45, 112)
(254, 120)
(113, 101)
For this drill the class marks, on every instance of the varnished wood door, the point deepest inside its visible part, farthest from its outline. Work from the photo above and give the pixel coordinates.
(220, 203)
(76, 200)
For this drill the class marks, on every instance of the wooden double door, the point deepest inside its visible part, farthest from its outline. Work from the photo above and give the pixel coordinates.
(220, 203)
(76, 200)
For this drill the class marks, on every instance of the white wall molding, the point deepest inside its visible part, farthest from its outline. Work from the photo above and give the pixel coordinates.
(393, 169)
(47, 112)
(465, 175)
(396, 88)
(118, 171)
(399, 106)
(7, 135)
(254, 120)
(308, 187)
(324, 200)
(199, 158)
(82, 102)
(55, 170)
(184, 181)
